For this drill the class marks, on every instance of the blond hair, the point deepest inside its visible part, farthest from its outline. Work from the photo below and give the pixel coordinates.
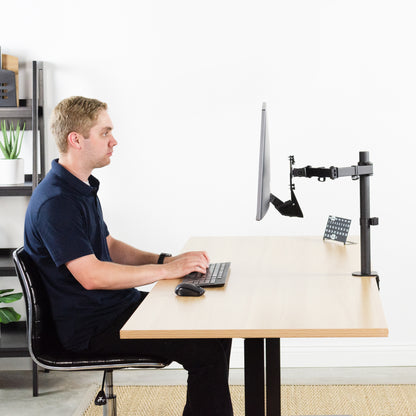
(74, 114)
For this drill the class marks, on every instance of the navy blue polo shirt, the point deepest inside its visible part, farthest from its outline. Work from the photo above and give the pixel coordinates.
(64, 221)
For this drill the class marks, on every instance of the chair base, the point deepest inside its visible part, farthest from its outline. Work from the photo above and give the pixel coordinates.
(110, 408)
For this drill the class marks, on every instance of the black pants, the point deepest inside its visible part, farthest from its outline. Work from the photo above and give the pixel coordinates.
(206, 360)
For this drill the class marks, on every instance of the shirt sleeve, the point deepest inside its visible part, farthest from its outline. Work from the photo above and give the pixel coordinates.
(63, 228)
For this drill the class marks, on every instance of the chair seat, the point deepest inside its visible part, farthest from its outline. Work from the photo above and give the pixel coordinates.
(70, 359)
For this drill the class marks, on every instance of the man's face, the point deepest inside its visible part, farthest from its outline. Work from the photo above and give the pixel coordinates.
(98, 146)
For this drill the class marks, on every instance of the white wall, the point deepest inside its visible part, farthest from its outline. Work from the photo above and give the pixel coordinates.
(185, 80)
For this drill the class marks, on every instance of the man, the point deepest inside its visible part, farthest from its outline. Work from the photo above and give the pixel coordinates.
(91, 276)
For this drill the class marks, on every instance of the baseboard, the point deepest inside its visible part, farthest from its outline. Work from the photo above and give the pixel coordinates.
(338, 356)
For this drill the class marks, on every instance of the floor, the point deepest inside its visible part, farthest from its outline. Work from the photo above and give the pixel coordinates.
(60, 393)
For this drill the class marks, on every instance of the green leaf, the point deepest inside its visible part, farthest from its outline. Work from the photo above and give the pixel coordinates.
(12, 140)
(5, 291)
(9, 140)
(10, 298)
(21, 140)
(8, 315)
(3, 130)
(3, 149)
(5, 145)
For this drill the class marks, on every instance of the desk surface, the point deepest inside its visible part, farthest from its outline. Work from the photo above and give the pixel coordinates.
(278, 287)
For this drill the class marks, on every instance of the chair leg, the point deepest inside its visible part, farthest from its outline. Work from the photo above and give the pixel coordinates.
(110, 408)
(35, 387)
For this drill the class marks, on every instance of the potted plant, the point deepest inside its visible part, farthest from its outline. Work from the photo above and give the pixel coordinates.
(8, 314)
(11, 166)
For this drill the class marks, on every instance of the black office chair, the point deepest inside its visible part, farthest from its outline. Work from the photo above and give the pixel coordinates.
(45, 348)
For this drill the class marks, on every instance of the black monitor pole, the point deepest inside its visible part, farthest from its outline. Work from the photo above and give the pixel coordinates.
(365, 220)
(362, 171)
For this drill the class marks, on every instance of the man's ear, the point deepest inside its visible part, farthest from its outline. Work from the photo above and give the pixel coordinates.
(74, 140)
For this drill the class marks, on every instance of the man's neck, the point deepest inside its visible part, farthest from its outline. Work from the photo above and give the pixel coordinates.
(78, 171)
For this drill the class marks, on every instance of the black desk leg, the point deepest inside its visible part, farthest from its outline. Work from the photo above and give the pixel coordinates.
(254, 376)
(273, 382)
(35, 379)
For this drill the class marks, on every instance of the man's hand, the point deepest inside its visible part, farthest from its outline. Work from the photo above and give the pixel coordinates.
(185, 263)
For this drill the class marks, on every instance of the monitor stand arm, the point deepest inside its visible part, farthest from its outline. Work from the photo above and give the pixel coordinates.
(362, 171)
(291, 207)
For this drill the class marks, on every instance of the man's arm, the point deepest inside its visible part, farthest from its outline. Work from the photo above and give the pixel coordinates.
(92, 273)
(123, 253)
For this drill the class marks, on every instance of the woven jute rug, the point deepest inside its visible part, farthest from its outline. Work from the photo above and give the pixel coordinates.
(352, 400)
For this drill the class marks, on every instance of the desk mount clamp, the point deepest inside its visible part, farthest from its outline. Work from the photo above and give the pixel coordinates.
(362, 171)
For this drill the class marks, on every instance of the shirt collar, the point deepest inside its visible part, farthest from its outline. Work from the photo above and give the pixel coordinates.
(74, 182)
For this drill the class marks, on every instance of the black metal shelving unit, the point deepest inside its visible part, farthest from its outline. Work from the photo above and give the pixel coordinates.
(13, 341)
(31, 112)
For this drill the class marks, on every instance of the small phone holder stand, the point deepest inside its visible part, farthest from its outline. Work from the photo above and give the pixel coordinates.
(337, 229)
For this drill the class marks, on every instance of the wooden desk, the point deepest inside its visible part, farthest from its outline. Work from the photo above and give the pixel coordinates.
(302, 287)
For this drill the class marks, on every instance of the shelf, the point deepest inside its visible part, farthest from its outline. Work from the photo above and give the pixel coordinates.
(24, 189)
(13, 341)
(16, 190)
(6, 262)
(23, 113)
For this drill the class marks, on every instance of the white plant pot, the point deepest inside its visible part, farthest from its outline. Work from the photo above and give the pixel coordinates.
(12, 171)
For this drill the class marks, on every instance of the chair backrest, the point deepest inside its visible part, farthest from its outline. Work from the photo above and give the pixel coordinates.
(41, 332)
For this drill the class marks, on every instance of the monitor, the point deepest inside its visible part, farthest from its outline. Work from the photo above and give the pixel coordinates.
(289, 208)
(263, 188)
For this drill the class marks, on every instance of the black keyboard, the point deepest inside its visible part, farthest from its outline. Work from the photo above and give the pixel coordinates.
(216, 275)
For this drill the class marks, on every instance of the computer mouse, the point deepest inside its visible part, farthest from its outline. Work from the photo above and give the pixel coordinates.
(189, 289)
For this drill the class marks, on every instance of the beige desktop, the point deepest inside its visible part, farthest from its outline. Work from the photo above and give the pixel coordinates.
(278, 287)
